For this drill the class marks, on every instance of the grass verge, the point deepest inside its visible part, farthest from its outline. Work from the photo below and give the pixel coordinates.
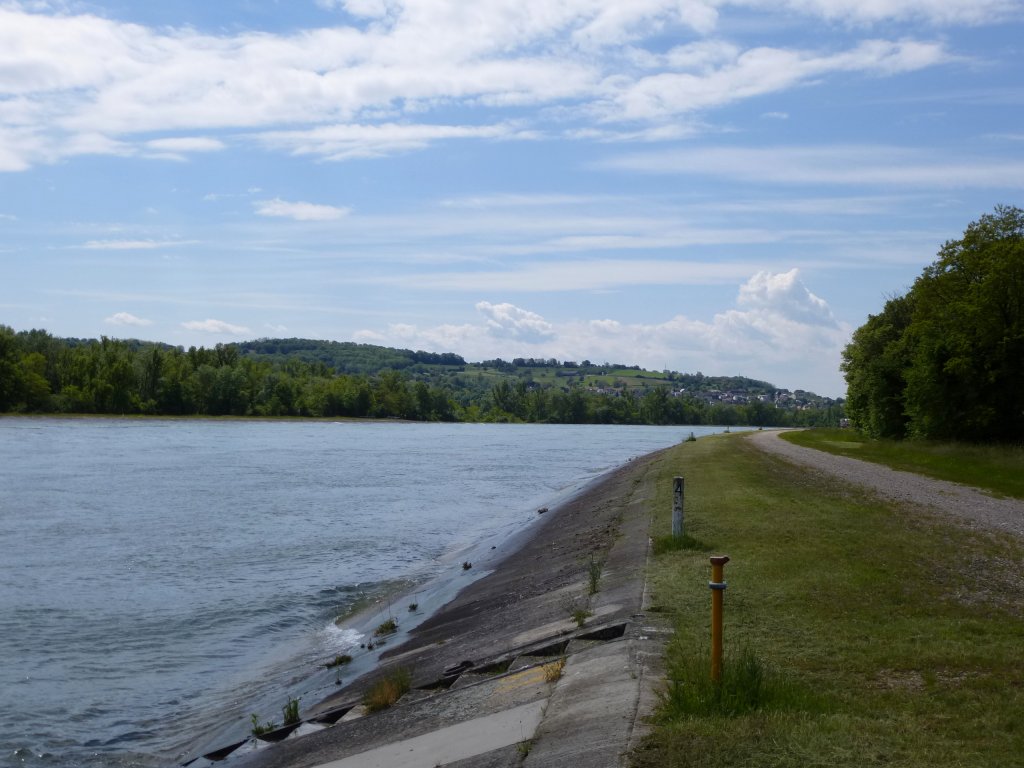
(857, 633)
(996, 468)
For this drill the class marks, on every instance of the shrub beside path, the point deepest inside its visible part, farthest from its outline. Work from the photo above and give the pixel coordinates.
(974, 507)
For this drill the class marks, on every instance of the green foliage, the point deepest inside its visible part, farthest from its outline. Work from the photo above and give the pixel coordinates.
(594, 569)
(580, 616)
(388, 689)
(747, 685)
(291, 712)
(299, 377)
(338, 661)
(875, 363)
(258, 728)
(388, 627)
(947, 360)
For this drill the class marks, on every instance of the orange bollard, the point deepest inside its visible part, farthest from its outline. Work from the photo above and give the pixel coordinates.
(717, 585)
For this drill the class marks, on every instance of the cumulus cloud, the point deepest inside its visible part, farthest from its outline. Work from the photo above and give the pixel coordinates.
(126, 318)
(778, 330)
(74, 83)
(507, 321)
(300, 211)
(214, 326)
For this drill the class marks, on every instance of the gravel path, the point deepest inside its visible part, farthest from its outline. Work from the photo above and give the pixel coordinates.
(970, 504)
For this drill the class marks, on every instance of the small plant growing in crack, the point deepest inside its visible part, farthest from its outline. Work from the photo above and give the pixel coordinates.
(580, 616)
(291, 712)
(413, 607)
(389, 689)
(388, 627)
(553, 671)
(338, 661)
(258, 728)
(594, 569)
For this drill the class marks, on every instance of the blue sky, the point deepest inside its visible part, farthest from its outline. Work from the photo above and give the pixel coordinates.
(725, 186)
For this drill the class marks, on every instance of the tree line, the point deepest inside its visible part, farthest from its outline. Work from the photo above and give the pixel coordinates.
(945, 361)
(40, 373)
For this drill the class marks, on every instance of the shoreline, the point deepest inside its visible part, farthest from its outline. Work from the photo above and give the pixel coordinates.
(526, 594)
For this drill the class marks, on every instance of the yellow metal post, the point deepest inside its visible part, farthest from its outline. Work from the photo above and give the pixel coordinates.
(718, 586)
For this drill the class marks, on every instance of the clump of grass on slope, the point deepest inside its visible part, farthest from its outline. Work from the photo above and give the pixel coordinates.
(877, 636)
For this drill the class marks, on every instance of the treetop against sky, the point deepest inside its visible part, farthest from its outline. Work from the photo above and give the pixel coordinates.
(729, 187)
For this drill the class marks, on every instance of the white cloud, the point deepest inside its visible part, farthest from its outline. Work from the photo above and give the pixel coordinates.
(123, 245)
(507, 321)
(214, 326)
(184, 144)
(126, 318)
(838, 164)
(934, 11)
(345, 142)
(778, 330)
(300, 211)
(74, 83)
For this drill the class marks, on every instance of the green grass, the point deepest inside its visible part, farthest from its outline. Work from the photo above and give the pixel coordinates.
(867, 636)
(999, 469)
(386, 691)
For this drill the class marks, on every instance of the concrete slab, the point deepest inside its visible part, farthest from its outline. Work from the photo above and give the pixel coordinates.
(456, 742)
(591, 712)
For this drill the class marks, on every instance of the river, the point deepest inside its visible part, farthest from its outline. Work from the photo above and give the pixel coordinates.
(163, 579)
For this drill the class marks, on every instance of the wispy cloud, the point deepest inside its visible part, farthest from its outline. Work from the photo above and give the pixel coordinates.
(128, 245)
(300, 211)
(886, 166)
(215, 326)
(78, 83)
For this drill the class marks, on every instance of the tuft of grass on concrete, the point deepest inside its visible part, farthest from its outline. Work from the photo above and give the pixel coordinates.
(388, 690)
(877, 637)
(996, 468)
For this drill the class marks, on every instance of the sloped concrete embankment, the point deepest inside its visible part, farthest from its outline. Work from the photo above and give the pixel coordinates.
(503, 675)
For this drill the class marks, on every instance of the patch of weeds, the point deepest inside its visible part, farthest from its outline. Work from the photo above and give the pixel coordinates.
(580, 616)
(553, 671)
(388, 627)
(663, 544)
(594, 569)
(291, 712)
(413, 607)
(387, 690)
(258, 728)
(524, 747)
(747, 685)
(338, 661)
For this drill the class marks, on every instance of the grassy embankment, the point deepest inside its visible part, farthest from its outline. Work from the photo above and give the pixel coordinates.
(875, 635)
(999, 469)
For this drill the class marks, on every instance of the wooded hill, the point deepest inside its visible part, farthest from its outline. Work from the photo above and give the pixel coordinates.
(40, 373)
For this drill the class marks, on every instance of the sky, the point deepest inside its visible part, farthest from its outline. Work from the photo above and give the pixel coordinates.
(723, 186)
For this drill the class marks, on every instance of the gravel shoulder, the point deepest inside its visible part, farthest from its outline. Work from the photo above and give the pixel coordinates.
(970, 505)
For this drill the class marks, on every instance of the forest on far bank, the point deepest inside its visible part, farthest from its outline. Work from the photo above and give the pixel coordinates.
(41, 373)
